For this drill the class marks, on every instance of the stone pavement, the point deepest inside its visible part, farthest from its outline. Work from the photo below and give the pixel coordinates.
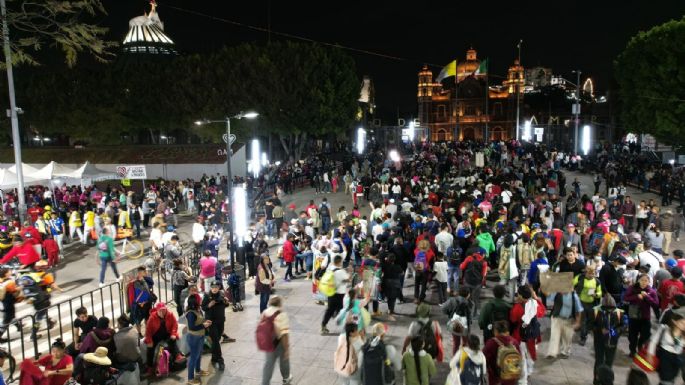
(312, 354)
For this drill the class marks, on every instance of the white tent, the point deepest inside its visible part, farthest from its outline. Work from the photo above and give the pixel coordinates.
(8, 179)
(52, 170)
(89, 171)
(27, 170)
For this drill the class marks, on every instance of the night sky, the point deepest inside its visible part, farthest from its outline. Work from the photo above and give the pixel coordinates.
(563, 35)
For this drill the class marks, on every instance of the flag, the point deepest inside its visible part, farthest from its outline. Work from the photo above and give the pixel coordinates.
(482, 68)
(449, 70)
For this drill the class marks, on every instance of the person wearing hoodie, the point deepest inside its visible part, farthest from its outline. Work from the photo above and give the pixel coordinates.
(468, 366)
(484, 239)
(392, 356)
(606, 328)
(417, 365)
(458, 311)
(156, 333)
(101, 336)
(524, 317)
(496, 309)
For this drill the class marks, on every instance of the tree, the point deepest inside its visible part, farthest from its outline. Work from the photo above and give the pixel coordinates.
(651, 81)
(56, 23)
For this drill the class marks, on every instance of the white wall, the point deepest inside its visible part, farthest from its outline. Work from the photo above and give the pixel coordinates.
(172, 171)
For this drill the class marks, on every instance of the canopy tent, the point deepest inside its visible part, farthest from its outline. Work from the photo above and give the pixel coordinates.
(25, 168)
(52, 170)
(89, 171)
(8, 179)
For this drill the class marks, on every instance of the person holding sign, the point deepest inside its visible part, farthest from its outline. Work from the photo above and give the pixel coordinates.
(566, 313)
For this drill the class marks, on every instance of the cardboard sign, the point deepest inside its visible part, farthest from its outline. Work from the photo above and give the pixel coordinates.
(132, 172)
(551, 282)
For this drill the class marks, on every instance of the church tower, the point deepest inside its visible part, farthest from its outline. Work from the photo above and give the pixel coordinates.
(425, 94)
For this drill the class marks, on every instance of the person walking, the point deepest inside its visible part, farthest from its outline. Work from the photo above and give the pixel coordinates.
(107, 255)
(566, 313)
(265, 282)
(335, 301)
(281, 331)
(641, 298)
(197, 325)
(606, 330)
(214, 305)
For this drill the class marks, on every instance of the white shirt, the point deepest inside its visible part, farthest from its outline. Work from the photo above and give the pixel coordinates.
(443, 240)
(506, 196)
(440, 268)
(396, 189)
(198, 232)
(651, 258)
(156, 237)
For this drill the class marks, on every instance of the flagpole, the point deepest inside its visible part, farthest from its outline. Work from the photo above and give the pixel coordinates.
(518, 111)
(456, 102)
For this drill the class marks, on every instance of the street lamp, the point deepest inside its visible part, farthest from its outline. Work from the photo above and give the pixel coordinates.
(229, 183)
(361, 140)
(586, 139)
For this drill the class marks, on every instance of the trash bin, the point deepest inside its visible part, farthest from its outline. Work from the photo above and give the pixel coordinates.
(240, 270)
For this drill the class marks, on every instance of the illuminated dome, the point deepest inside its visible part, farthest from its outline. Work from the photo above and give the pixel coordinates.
(146, 35)
(469, 66)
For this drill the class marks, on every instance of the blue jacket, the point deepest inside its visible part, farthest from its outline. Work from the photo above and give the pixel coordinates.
(533, 272)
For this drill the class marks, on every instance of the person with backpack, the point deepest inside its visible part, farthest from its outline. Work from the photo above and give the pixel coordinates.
(346, 359)
(423, 256)
(162, 326)
(524, 320)
(370, 273)
(525, 256)
(273, 337)
(474, 269)
(496, 309)
(335, 278)
(454, 258)
(417, 364)
(428, 330)
(140, 297)
(589, 289)
(325, 214)
(391, 283)
(503, 350)
(379, 360)
(607, 325)
(197, 326)
(95, 368)
(458, 311)
(506, 268)
(468, 366)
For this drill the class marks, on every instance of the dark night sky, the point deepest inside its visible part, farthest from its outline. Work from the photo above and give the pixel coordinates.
(563, 35)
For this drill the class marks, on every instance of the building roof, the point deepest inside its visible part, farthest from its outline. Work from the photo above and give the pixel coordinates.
(146, 35)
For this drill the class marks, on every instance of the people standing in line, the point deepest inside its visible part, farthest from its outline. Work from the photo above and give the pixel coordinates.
(281, 332)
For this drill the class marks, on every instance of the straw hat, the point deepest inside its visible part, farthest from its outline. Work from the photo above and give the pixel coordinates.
(99, 357)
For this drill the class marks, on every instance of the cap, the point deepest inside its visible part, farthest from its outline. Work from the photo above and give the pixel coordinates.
(160, 306)
(570, 225)
(671, 263)
(215, 284)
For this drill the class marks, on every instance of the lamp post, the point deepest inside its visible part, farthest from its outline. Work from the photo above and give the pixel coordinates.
(229, 192)
(576, 112)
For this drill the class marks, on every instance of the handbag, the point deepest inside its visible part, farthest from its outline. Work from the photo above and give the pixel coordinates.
(646, 358)
(633, 311)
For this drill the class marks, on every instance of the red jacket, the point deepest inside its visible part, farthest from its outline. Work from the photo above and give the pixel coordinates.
(25, 252)
(35, 234)
(479, 258)
(289, 251)
(668, 290)
(152, 325)
(50, 247)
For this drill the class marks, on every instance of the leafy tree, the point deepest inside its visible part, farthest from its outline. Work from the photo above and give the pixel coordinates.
(651, 78)
(56, 23)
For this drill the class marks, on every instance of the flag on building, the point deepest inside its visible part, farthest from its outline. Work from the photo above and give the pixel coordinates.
(482, 68)
(449, 70)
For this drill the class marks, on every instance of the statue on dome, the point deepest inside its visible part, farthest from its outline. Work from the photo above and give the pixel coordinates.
(147, 19)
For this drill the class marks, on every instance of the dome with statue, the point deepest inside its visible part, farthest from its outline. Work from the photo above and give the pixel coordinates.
(469, 66)
(146, 35)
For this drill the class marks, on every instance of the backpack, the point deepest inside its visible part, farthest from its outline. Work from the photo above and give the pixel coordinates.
(429, 340)
(471, 373)
(327, 283)
(178, 280)
(266, 333)
(376, 368)
(453, 255)
(324, 212)
(420, 261)
(233, 280)
(473, 275)
(345, 360)
(162, 361)
(102, 246)
(94, 374)
(508, 361)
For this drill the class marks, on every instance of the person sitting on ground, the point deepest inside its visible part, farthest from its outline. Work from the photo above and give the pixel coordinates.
(83, 325)
(100, 336)
(126, 343)
(162, 326)
(58, 367)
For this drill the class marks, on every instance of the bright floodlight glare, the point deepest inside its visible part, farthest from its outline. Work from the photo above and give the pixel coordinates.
(361, 140)
(585, 144)
(265, 160)
(255, 152)
(672, 161)
(394, 155)
(240, 211)
(198, 122)
(250, 115)
(526, 131)
(412, 133)
(36, 138)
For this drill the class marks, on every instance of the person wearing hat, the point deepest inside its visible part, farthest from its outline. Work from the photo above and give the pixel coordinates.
(214, 306)
(24, 251)
(162, 326)
(607, 324)
(95, 367)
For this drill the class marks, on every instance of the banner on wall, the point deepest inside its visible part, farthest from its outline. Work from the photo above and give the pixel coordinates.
(132, 172)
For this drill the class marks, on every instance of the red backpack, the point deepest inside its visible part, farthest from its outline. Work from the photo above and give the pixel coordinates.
(266, 333)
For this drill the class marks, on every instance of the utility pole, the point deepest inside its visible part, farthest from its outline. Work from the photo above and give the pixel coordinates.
(576, 112)
(14, 118)
(518, 90)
